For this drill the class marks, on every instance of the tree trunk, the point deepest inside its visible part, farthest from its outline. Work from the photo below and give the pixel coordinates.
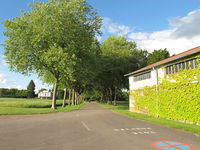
(104, 97)
(77, 98)
(73, 97)
(107, 97)
(69, 100)
(81, 98)
(64, 98)
(54, 95)
(110, 97)
(115, 101)
(101, 100)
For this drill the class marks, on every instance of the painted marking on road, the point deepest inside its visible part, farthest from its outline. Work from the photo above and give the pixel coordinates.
(84, 124)
(128, 129)
(152, 132)
(146, 132)
(136, 131)
(171, 145)
(141, 128)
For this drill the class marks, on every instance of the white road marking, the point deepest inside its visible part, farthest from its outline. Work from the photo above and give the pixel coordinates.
(137, 131)
(134, 133)
(152, 132)
(83, 123)
(143, 128)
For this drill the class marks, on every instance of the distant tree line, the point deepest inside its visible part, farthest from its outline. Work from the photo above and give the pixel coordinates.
(13, 93)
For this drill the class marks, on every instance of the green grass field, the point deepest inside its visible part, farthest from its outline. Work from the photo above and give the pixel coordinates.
(20, 106)
(123, 108)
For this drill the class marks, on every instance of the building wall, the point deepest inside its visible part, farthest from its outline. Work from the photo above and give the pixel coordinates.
(45, 94)
(134, 85)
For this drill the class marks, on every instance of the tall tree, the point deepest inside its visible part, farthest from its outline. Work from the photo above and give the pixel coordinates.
(51, 38)
(158, 55)
(31, 89)
(118, 58)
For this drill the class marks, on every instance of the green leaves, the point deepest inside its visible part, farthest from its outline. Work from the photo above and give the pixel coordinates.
(52, 39)
(158, 55)
(179, 100)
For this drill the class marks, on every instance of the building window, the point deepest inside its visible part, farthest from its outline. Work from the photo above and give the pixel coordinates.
(195, 63)
(189, 64)
(143, 76)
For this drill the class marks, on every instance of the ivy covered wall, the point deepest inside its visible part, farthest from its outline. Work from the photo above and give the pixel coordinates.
(178, 97)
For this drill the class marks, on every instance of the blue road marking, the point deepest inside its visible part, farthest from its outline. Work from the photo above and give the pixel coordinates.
(171, 145)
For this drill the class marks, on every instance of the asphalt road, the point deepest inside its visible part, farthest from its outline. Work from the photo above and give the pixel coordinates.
(90, 128)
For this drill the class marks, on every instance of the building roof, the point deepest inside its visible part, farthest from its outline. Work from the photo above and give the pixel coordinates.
(168, 60)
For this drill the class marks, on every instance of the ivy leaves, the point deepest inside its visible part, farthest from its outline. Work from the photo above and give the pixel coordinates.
(179, 96)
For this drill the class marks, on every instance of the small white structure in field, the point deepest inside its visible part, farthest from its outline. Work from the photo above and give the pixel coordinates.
(45, 95)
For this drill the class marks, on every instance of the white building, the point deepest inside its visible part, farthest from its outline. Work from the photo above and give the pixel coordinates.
(149, 75)
(45, 95)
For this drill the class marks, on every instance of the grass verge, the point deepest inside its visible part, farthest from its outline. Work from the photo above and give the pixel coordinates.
(123, 108)
(14, 106)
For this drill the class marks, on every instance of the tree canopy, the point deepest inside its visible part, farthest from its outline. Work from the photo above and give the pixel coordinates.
(57, 40)
(51, 38)
(31, 89)
(158, 55)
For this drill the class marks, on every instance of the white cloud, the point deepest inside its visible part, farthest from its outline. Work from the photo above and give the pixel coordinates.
(138, 36)
(184, 34)
(114, 28)
(3, 79)
(188, 26)
(3, 61)
(15, 87)
(124, 29)
(2, 75)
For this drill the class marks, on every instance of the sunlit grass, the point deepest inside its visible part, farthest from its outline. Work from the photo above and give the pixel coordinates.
(19, 106)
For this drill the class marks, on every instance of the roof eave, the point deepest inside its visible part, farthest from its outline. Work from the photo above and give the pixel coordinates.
(157, 65)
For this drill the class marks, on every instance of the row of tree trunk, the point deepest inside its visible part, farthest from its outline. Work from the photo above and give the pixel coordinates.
(75, 98)
(109, 96)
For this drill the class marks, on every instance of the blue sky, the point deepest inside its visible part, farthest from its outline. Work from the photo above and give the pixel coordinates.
(152, 24)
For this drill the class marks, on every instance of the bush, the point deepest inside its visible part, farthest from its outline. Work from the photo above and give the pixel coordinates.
(13, 93)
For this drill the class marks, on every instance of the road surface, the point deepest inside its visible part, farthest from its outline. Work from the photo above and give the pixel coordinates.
(90, 128)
